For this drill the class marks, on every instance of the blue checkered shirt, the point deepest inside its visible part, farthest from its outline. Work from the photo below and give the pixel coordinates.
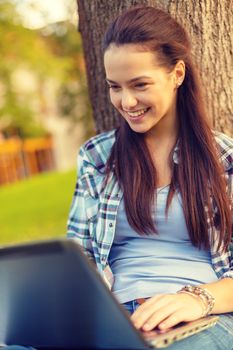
(93, 213)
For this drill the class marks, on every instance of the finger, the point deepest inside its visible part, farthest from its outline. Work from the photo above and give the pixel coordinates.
(145, 307)
(159, 316)
(146, 310)
(171, 321)
(155, 309)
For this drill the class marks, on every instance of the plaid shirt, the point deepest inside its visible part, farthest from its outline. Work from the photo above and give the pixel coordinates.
(92, 219)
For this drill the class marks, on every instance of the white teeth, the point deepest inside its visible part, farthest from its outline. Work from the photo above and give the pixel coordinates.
(137, 113)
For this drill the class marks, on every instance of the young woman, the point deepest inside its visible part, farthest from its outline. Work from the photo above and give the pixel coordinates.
(152, 206)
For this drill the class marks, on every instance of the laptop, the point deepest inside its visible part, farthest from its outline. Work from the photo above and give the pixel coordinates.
(52, 297)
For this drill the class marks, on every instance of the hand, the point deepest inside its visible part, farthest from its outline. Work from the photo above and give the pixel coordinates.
(167, 310)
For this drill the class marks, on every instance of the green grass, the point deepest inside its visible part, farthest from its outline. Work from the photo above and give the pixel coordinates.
(36, 208)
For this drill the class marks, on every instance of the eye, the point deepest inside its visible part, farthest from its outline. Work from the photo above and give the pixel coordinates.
(141, 85)
(114, 87)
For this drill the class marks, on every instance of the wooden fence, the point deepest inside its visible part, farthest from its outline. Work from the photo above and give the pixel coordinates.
(20, 159)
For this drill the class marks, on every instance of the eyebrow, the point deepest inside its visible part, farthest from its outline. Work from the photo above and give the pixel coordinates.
(131, 80)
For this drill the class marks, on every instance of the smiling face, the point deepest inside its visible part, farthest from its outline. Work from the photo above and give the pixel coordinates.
(142, 91)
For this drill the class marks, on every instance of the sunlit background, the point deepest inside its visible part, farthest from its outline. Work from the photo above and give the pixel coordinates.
(44, 116)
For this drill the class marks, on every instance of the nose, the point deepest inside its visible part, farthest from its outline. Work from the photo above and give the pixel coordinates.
(128, 100)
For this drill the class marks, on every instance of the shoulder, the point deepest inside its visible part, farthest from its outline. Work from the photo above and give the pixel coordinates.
(225, 148)
(96, 150)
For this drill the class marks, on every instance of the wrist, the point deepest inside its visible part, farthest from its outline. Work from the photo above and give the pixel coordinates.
(206, 298)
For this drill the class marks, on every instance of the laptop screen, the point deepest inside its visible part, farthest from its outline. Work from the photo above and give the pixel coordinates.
(52, 297)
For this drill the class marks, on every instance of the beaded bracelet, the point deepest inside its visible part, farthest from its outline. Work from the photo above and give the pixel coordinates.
(207, 299)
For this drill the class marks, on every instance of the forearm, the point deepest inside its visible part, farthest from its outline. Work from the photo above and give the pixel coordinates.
(222, 291)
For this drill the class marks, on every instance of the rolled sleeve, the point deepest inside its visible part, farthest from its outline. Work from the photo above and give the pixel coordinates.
(77, 225)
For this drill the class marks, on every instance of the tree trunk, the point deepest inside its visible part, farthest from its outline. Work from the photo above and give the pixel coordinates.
(208, 22)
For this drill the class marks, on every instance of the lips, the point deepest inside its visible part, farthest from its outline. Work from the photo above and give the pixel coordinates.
(137, 115)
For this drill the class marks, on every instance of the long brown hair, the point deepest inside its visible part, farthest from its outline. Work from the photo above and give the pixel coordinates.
(198, 175)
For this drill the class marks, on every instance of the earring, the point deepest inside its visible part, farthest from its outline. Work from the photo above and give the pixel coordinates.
(179, 83)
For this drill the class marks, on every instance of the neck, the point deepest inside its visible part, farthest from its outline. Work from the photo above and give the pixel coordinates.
(162, 137)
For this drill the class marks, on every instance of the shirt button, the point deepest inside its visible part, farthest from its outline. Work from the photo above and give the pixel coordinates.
(111, 224)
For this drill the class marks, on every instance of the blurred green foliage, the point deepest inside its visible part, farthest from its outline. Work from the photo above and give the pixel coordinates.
(36, 208)
(54, 52)
(73, 98)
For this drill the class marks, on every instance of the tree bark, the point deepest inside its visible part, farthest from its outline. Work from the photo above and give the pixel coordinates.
(208, 22)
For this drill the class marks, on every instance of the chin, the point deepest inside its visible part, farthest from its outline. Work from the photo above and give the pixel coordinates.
(139, 129)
